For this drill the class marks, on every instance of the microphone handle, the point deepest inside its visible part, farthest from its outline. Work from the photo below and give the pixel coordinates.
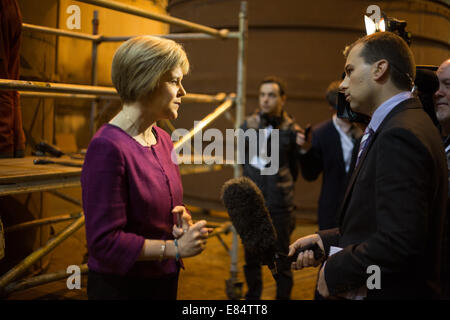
(318, 253)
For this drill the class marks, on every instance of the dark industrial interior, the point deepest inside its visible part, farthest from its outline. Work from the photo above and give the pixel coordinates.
(299, 41)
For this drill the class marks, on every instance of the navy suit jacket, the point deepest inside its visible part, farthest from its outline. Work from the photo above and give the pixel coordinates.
(326, 156)
(393, 211)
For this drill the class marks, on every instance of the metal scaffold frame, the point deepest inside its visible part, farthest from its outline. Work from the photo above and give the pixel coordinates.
(8, 281)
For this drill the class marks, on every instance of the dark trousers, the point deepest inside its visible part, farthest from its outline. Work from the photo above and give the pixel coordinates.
(112, 287)
(284, 225)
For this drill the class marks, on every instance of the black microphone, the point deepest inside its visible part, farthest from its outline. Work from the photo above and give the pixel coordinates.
(426, 81)
(248, 213)
(427, 84)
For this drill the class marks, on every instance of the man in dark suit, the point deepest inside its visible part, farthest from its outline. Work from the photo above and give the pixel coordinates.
(330, 151)
(391, 219)
(442, 108)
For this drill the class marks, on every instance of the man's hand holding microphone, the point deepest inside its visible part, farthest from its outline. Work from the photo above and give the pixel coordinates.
(310, 258)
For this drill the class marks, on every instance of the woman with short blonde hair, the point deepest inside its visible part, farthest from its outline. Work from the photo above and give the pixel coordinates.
(140, 62)
(132, 191)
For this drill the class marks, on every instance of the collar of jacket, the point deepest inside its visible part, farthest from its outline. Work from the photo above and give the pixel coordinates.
(412, 103)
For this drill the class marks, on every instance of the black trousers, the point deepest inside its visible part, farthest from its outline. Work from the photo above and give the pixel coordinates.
(112, 287)
(284, 225)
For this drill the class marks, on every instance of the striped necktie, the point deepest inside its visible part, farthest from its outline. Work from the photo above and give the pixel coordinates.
(364, 142)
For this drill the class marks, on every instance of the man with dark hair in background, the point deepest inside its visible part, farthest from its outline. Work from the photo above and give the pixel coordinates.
(12, 137)
(330, 151)
(278, 189)
(391, 219)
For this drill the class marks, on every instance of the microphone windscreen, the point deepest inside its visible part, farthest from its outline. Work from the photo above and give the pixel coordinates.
(248, 213)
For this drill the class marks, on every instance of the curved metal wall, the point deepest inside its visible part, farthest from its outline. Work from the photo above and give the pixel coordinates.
(300, 41)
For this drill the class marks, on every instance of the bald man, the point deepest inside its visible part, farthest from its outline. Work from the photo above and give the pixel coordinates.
(442, 98)
(442, 107)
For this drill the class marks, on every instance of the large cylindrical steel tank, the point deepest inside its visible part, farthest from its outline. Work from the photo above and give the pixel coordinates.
(300, 41)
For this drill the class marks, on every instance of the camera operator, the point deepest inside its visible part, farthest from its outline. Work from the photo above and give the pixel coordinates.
(278, 188)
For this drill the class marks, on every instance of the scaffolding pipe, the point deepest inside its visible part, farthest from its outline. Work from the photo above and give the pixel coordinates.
(113, 5)
(241, 74)
(40, 280)
(7, 84)
(30, 94)
(173, 36)
(66, 197)
(188, 98)
(101, 38)
(60, 32)
(94, 77)
(240, 113)
(227, 104)
(204, 98)
(45, 221)
(224, 228)
(31, 259)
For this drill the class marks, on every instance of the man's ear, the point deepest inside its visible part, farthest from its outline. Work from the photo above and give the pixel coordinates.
(283, 99)
(380, 69)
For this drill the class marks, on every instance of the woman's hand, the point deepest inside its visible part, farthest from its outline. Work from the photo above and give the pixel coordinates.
(193, 241)
(191, 237)
(184, 221)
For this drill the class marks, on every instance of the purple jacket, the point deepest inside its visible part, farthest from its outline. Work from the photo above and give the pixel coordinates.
(128, 194)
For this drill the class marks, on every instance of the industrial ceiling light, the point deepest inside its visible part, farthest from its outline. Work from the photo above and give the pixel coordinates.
(382, 25)
(387, 24)
(372, 26)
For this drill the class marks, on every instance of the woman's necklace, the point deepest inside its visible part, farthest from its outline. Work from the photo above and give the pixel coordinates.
(150, 140)
(141, 138)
